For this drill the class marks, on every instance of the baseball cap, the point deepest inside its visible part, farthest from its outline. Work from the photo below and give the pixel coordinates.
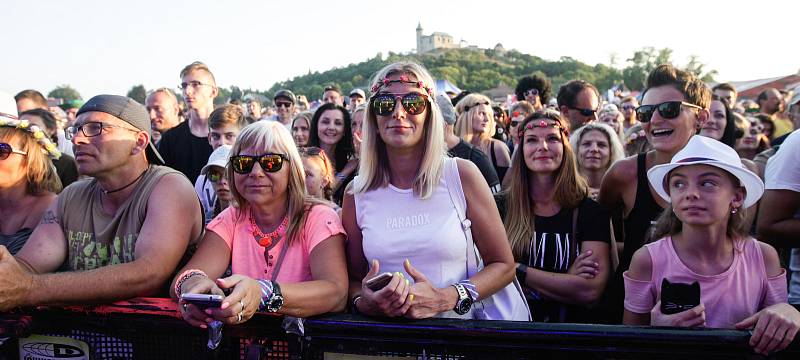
(332, 88)
(358, 92)
(288, 94)
(72, 104)
(702, 150)
(219, 157)
(129, 111)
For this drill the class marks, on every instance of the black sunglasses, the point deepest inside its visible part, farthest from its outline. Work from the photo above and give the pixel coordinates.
(243, 164)
(667, 110)
(413, 103)
(6, 150)
(584, 112)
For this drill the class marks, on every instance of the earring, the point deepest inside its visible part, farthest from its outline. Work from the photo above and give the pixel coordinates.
(734, 210)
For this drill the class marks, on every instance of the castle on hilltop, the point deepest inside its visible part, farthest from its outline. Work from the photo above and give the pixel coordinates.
(440, 40)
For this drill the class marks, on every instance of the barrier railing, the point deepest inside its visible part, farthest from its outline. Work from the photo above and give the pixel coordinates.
(147, 328)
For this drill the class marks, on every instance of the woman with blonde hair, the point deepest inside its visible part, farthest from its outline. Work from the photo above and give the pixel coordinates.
(476, 125)
(597, 146)
(28, 179)
(285, 249)
(559, 236)
(418, 242)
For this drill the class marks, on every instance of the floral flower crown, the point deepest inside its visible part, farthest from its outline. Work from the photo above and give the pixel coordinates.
(543, 124)
(38, 134)
(403, 79)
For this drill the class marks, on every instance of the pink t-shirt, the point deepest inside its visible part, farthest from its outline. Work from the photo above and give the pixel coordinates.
(729, 297)
(247, 256)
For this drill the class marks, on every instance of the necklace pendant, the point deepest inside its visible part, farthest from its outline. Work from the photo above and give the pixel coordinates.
(265, 241)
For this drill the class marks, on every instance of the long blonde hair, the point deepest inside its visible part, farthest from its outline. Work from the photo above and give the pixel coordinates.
(467, 109)
(373, 160)
(272, 135)
(40, 173)
(570, 189)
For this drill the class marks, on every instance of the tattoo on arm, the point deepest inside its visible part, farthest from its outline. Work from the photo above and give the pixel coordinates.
(49, 217)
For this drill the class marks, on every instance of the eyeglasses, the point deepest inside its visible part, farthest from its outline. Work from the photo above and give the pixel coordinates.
(192, 84)
(530, 92)
(91, 128)
(584, 112)
(286, 104)
(6, 150)
(243, 164)
(667, 110)
(413, 103)
(215, 175)
(515, 122)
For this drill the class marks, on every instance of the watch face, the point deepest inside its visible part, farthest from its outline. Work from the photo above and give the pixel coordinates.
(464, 306)
(276, 304)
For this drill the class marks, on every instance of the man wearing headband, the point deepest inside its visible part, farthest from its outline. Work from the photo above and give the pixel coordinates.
(116, 233)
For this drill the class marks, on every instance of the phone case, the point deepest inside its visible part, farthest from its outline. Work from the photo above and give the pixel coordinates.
(203, 300)
(379, 282)
(678, 297)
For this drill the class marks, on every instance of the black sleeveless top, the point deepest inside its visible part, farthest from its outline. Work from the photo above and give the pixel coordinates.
(642, 216)
(637, 224)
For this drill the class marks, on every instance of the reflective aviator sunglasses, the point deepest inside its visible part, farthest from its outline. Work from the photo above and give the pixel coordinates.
(413, 103)
(243, 164)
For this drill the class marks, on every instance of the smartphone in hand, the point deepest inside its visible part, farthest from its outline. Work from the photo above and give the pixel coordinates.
(203, 300)
(678, 297)
(380, 281)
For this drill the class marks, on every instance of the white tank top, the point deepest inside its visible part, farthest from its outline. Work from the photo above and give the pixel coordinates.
(397, 225)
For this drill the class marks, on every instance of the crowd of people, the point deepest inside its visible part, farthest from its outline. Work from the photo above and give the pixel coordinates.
(675, 206)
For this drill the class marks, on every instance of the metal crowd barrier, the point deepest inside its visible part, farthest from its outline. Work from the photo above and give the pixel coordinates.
(148, 328)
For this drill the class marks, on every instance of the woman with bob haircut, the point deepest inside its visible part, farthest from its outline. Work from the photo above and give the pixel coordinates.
(285, 249)
(418, 241)
(559, 236)
(476, 125)
(28, 179)
(597, 146)
(730, 279)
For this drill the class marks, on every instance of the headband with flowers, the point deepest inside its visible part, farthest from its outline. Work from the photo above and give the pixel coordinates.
(543, 124)
(403, 79)
(37, 133)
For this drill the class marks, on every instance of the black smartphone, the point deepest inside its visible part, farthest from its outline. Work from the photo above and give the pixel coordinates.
(203, 300)
(380, 281)
(678, 297)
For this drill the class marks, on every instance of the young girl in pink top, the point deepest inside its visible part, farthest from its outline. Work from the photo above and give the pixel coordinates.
(704, 239)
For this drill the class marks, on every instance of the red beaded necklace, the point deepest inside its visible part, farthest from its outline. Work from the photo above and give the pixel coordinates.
(266, 240)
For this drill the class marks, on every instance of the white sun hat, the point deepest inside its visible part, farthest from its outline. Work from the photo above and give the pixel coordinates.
(703, 150)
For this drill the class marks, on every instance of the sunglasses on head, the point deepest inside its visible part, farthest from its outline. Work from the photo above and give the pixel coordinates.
(466, 108)
(584, 112)
(6, 150)
(243, 164)
(667, 110)
(215, 175)
(531, 92)
(413, 103)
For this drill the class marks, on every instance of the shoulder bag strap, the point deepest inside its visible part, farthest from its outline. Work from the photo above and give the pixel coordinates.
(451, 179)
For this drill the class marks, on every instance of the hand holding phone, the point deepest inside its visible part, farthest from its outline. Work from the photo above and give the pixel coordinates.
(380, 281)
(203, 300)
(678, 297)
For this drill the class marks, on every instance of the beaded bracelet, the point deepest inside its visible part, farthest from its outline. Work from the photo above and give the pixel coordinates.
(185, 276)
(266, 293)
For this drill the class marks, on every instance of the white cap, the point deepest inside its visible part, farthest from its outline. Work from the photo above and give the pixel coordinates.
(218, 158)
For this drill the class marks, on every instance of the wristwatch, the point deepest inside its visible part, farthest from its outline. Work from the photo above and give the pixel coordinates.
(464, 302)
(275, 301)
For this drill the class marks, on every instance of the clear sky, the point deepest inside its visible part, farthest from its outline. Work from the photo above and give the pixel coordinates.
(109, 46)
